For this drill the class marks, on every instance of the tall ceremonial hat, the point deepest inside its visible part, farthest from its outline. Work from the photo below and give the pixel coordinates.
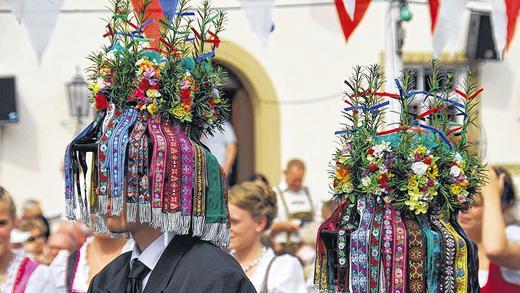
(155, 91)
(399, 189)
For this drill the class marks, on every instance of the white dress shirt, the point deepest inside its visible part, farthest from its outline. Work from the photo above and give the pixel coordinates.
(150, 256)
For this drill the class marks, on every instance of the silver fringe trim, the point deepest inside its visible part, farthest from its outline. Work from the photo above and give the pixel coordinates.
(83, 212)
(186, 224)
(117, 205)
(145, 213)
(157, 218)
(216, 233)
(197, 225)
(102, 204)
(70, 212)
(99, 224)
(131, 212)
(176, 223)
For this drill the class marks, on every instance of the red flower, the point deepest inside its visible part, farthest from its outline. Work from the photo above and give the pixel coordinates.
(418, 157)
(145, 85)
(185, 94)
(372, 167)
(371, 151)
(138, 94)
(428, 160)
(212, 103)
(101, 102)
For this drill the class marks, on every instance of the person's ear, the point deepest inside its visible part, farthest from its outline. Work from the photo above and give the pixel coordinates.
(261, 223)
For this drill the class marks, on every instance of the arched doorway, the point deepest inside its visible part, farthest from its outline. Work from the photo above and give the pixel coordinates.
(255, 113)
(242, 120)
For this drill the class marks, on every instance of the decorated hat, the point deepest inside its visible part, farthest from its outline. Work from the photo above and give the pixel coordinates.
(400, 189)
(154, 98)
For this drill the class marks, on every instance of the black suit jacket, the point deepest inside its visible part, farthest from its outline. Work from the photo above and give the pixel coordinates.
(187, 265)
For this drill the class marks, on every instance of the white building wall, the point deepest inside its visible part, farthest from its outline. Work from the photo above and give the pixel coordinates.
(307, 58)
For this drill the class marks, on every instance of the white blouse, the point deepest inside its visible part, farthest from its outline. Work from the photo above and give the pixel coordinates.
(285, 275)
(40, 280)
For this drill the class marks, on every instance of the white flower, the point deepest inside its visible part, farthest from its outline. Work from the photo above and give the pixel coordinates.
(419, 168)
(455, 171)
(366, 181)
(383, 169)
(458, 157)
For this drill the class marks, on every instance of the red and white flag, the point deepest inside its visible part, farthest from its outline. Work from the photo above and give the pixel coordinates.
(350, 14)
(446, 23)
(504, 14)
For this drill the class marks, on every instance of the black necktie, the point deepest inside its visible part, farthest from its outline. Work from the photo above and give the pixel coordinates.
(136, 276)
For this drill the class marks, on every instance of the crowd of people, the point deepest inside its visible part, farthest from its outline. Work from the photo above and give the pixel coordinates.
(273, 232)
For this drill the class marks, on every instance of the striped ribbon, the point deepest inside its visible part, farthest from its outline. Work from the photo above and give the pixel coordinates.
(187, 170)
(433, 255)
(359, 249)
(157, 170)
(461, 258)
(172, 188)
(375, 236)
(117, 158)
(111, 120)
(70, 167)
(399, 255)
(447, 273)
(388, 240)
(416, 254)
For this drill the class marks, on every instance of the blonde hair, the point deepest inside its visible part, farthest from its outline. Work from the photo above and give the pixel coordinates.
(8, 201)
(256, 198)
(30, 224)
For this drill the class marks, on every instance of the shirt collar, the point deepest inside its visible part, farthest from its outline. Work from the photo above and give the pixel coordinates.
(284, 188)
(150, 256)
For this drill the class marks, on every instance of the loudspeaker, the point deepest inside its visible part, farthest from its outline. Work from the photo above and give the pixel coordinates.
(8, 112)
(480, 44)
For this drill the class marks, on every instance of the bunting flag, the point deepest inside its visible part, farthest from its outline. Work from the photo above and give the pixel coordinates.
(446, 23)
(259, 14)
(504, 14)
(39, 18)
(169, 7)
(17, 8)
(350, 14)
(154, 12)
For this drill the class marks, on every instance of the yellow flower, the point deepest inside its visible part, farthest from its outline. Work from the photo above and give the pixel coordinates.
(412, 183)
(419, 150)
(421, 208)
(342, 174)
(179, 112)
(216, 100)
(152, 108)
(455, 189)
(94, 87)
(153, 93)
(433, 171)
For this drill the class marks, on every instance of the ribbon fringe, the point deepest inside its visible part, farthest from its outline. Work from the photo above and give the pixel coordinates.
(145, 212)
(117, 205)
(131, 212)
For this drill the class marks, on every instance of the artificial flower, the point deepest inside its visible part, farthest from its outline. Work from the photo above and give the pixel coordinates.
(152, 108)
(101, 102)
(419, 168)
(153, 93)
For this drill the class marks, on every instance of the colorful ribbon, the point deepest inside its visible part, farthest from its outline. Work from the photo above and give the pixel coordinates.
(157, 169)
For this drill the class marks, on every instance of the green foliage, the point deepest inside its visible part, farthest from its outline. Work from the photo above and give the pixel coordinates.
(424, 171)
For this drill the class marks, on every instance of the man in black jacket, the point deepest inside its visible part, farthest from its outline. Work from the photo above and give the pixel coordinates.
(169, 263)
